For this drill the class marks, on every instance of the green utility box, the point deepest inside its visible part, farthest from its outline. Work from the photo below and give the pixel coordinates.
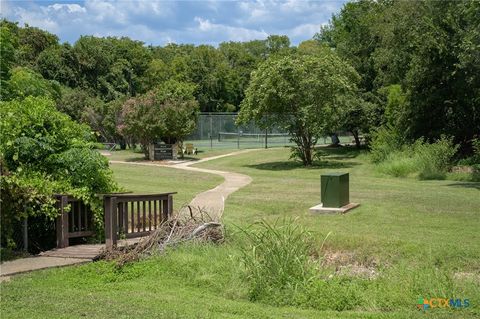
(335, 190)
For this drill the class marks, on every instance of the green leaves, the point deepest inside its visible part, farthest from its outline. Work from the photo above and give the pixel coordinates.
(44, 153)
(167, 113)
(302, 92)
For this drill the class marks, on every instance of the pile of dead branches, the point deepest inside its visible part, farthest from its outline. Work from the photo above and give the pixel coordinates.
(191, 224)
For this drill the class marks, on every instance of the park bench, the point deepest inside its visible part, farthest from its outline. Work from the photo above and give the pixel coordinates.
(189, 149)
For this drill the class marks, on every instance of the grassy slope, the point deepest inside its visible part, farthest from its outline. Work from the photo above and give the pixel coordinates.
(416, 233)
(397, 219)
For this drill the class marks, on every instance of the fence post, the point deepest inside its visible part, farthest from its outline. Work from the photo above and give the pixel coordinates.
(167, 208)
(110, 211)
(170, 205)
(62, 222)
(25, 234)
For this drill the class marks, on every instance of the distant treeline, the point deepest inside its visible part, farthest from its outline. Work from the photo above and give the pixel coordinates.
(419, 63)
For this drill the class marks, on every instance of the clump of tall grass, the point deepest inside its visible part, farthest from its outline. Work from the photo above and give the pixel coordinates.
(426, 160)
(399, 164)
(435, 160)
(277, 260)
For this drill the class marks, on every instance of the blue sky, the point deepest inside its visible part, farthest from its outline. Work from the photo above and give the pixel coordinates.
(162, 22)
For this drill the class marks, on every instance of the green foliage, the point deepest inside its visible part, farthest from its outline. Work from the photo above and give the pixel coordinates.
(429, 160)
(277, 260)
(24, 82)
(435, 159)
(302, 93)
(76, 102)
(58, 63)
(43, 152)
(433, 67)
(7, 52)
(385, 141)
(167, 113)
(399, 164)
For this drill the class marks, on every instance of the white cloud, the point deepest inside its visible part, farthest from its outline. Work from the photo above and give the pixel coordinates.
(69, 7)
(161, 22)
(214, 30)
(306, 31)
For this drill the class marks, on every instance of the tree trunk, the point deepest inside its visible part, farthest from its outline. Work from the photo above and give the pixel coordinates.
(123, 144)
(335, 139)
(357, 139)
(307, 149)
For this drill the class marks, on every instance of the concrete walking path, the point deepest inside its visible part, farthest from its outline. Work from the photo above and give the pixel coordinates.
(211, 201)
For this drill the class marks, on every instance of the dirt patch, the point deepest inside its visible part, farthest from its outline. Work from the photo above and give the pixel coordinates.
(347, 264)
(462, 169)
(468, 276)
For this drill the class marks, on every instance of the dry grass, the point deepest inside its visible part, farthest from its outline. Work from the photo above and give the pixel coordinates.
(189, 224)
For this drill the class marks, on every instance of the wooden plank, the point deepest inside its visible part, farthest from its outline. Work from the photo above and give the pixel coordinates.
(132, 209)
(125, 217)
(110, 206)
(164, 210)
(155, 213)
(85, 233)
(144, 216)
(138, 216)
(120, 218)
(149, 215)
(170, 206)
(129, 197)
(79, 212)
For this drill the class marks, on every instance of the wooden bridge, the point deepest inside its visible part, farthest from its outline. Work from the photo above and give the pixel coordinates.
(128, 218)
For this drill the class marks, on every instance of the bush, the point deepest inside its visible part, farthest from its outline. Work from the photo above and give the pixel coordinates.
(428, 160)
(43, 152)
(385, 141)
(434, 160)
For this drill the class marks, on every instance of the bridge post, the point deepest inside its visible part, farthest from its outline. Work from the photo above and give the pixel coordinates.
(110, 210)
(62, 222)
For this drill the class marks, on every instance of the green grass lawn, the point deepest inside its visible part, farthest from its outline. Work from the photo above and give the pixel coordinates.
(420, 237)
(138, 156)
(150, 179)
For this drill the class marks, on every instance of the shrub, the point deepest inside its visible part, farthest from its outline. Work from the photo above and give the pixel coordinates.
(434, 160)
(44, 152)
(385, 140)
(429, 160)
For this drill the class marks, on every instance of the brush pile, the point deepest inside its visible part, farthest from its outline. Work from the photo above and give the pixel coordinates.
(182, 227)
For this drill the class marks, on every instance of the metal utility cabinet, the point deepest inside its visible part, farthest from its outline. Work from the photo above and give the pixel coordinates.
(335, 190)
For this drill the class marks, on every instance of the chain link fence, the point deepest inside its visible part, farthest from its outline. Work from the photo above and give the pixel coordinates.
(220, 131)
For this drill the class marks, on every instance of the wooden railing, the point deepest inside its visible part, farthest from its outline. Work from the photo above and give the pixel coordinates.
(132, 216)
(72, 223)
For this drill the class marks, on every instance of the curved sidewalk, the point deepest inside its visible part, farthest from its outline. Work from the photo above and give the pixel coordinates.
(212, 201)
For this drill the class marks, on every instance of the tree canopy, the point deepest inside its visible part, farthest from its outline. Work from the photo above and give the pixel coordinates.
(303, 93)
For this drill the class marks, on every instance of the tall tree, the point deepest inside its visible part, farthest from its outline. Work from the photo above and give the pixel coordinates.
(302, 93)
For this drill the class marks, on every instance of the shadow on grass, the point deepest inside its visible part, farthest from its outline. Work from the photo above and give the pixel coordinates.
(289, 165)
(339, 153)
(332, 158)
(465, 185)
